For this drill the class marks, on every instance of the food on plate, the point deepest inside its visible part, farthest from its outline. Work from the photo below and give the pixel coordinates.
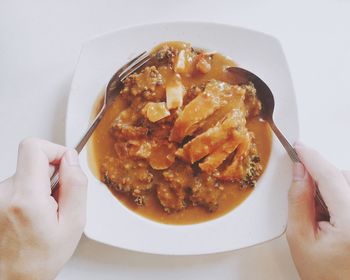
(182, 143)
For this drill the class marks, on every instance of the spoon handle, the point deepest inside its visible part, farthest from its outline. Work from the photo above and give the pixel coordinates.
(323, 211)
(288, 147)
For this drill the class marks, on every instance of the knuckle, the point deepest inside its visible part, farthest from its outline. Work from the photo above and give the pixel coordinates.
(28, 143)
(24, 203)
(18, 208)
(17, 205)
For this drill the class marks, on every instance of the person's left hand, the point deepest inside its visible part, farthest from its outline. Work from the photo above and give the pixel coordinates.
(37, 233)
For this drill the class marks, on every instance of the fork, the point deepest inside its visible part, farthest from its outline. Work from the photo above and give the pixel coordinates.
(112, 91)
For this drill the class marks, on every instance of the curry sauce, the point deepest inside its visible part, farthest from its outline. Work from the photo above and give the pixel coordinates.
(182, 144)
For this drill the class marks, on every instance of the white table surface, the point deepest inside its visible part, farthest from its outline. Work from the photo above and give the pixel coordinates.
(39, 47)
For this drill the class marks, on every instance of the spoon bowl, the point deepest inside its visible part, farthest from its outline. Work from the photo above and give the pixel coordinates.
(264, 94)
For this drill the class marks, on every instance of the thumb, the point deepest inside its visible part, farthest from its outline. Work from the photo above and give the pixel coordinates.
(332, 183)
(72, 191)
(301, 206)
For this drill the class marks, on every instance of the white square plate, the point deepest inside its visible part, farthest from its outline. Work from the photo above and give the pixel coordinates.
(261, 217)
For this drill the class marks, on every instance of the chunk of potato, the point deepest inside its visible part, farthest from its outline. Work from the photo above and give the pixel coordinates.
(155, 111)
(180, 63)
(203, 66)
(174, 95)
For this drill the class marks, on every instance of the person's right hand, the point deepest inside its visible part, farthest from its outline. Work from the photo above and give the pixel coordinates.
(37, 233)
(320, 249)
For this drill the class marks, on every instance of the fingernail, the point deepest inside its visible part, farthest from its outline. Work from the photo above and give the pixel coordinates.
(298, 171)
(72, 157)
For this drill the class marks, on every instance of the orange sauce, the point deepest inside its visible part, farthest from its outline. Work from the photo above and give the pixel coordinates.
(101, 145)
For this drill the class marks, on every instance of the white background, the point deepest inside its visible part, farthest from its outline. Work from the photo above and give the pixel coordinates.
(39, 47)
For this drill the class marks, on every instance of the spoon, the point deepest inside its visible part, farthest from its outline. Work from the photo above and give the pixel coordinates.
(267, 100)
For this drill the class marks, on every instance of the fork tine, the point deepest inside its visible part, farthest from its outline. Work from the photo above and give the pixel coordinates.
(112, 82)
(134, 68)
(125, 66)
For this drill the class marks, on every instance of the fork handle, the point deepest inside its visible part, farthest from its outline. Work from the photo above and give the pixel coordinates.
(54, 180)
(324, 213)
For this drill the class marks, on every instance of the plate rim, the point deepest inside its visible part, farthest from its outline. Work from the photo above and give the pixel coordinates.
(152, 24)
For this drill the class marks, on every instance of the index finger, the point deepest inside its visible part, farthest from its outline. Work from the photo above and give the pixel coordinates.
(33, 163)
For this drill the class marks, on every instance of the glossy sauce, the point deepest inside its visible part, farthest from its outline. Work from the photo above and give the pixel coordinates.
(101, 145)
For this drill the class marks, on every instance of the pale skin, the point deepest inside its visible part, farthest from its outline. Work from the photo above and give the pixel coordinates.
(39, 233)
(320, 249)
